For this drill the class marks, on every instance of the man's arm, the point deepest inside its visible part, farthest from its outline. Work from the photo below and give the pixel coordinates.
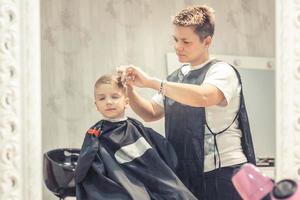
(147, 110)
(193, 95)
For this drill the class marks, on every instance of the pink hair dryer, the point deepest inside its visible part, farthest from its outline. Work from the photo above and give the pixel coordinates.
(251, 184)
(286, 189)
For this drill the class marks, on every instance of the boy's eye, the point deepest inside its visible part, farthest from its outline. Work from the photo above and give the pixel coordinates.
(115, 97)
(185, 42)
(101, 99)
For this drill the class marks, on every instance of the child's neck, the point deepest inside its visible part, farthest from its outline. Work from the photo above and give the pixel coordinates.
(123, 118)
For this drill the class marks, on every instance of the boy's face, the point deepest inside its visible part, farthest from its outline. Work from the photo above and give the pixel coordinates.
(110, 101)
(188, 46)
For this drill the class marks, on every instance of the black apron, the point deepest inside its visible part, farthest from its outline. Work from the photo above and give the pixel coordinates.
(185, 126)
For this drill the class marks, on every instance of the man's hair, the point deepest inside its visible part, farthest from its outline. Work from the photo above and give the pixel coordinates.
(201, 17)
(110, 79)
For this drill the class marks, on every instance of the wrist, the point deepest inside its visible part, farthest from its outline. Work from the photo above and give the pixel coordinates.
(162, 88)
(129, 90)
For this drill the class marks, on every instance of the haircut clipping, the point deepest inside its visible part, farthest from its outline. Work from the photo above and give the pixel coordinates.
(120, 74)
(120, 81)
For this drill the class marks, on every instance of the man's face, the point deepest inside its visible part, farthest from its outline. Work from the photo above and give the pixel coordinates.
(110, 101)
(188, 46)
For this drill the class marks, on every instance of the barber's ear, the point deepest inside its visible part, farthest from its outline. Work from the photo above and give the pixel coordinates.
(207, 41)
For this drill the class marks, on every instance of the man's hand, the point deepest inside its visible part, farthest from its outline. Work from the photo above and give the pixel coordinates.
(134, 76)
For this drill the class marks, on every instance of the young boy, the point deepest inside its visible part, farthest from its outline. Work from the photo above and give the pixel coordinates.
(122, 159)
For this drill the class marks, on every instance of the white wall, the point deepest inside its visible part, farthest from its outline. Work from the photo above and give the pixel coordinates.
(259, 91)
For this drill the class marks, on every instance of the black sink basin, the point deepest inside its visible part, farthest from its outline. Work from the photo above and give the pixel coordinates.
(58, 171)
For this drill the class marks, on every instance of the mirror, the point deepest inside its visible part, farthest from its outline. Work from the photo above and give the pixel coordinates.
(84, 39)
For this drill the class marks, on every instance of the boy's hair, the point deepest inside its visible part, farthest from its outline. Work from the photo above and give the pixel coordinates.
(201, 17)
(110, 79)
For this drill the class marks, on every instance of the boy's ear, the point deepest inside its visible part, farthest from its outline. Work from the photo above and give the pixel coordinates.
(127, 102)
(96, 105)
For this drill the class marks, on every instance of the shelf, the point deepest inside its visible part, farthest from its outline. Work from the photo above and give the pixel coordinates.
(246, 62)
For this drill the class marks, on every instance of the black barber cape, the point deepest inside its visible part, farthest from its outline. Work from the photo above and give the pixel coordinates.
(127, 161)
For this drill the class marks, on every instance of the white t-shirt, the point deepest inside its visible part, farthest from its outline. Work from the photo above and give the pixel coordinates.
(219, 117)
